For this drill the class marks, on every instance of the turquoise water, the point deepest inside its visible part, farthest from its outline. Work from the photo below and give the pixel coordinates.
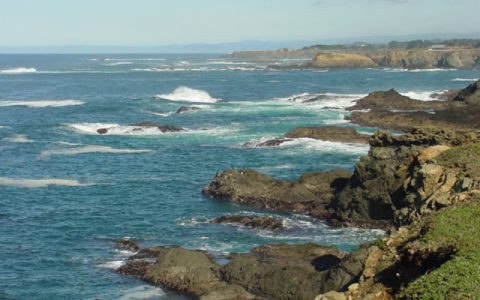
(57, 236)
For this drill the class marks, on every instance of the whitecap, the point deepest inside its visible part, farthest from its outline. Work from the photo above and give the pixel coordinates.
(327, 100)
(142, 292)
(40, 103)
(18, 138)
(38, 183)
(134, 59)
(314, 145)
(20, 70)
(120, 63)
(91, 149)
(466, 79)
(4, 127)
(187, 94)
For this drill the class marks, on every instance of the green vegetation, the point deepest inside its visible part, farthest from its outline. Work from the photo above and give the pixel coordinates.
(466, 158)
(458, 278)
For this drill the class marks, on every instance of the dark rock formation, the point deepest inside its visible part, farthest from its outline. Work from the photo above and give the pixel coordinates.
(311, 194)
(264, 222)
(125, 244)
(186, 109)
(392, 100)
(144, 125)
(325, 133)
(329, 133)
(470, 94)
(267, 272)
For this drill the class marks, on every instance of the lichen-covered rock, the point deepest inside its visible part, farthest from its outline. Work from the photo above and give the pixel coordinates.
(330, 133)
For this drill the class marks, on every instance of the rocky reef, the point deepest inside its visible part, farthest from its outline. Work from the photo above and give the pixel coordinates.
(389, 110)
(260, 222)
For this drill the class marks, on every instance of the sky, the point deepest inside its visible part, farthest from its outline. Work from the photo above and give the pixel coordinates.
(26, 23)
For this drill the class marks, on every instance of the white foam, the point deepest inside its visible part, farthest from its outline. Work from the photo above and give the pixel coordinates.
(465, 79)
(91, 149)
(187, 94)
(116, 129)
(120, 63)
(18, 138)
(113, 265)
(134, 59)
(38, 183)
(40, 103)
(142, 292)
(4, 127)
(330, 100)
(423, 96)
(327, 146)
(20, 70)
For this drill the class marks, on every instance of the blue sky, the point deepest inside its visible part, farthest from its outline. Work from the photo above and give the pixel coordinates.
(163, 22)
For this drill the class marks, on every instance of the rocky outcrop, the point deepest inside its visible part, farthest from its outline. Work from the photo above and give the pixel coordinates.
(342, 60)
(257, 222)
(267, 272)
(311, 194)
(398, 180)
(392, 100)
(324, 133)
(330, 133)
(126, 244)
(460, 112)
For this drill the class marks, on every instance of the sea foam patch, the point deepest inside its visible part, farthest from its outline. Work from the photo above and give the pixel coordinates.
(21, 70)
(142, 292)
(18, 138)
(116, 129)
(313, 145)
(40, 103)
(187, 94)
(91, 149)
(326, 100)
(39, 183)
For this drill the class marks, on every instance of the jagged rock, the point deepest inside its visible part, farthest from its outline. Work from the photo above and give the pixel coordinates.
(311, 194)
(432, 152)
(162, 128)
(329, 133)
(470, 94)
(269, 143)
(263, 222)
(392, 100)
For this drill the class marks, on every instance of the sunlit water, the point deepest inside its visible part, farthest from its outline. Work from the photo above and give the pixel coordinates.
(67, 193)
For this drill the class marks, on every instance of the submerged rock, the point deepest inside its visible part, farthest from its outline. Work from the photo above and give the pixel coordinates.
(311, 194)
(146, 125)
(186, 109)
(263, 222)
(126, 244)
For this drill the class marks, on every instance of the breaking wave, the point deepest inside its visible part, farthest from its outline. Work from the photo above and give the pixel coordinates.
(39, 183)
(313, 145)
(18, 71)
(40, 103)
(187, 94)
(328, 100)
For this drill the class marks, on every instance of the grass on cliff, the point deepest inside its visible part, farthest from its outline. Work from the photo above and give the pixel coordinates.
(466, 158)
(459, 277)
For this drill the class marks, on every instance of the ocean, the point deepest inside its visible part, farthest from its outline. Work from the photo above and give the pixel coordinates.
(68, 193)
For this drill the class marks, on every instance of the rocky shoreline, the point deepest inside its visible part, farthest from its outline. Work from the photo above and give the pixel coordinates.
(423, 187)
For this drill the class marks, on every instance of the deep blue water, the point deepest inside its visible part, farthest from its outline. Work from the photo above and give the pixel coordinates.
(57, 240)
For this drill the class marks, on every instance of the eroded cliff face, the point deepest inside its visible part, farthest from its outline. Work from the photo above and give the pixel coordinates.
(404, 59)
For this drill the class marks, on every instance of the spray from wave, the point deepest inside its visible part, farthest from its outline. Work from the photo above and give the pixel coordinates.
(187, 94)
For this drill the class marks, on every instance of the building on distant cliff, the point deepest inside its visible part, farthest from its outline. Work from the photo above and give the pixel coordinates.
(437, 47)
